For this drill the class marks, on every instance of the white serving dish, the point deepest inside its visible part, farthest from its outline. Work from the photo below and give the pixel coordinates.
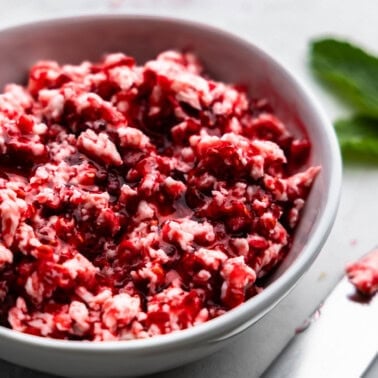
(229, 59)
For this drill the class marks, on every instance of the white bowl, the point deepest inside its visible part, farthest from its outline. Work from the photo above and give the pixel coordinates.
(229, 59)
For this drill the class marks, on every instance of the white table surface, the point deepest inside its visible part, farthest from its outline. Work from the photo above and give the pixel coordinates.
(283, 28)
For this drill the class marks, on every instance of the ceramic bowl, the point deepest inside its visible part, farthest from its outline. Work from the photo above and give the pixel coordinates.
(229, 59)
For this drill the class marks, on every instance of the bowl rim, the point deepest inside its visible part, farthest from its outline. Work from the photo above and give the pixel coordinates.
(277, 290)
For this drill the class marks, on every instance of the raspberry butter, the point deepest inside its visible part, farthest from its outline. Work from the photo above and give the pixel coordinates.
(139, 200)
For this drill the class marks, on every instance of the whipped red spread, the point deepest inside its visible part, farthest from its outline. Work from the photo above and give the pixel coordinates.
(139, 200)
(363, 273)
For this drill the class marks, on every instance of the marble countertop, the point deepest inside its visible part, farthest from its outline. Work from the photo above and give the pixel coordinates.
(283, 28)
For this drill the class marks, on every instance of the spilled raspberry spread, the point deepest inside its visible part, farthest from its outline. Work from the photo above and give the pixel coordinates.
(139, 200)
(363, 274)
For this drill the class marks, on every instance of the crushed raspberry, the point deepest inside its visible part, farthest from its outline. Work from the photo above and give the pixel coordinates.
(139, 200)
(364, 273)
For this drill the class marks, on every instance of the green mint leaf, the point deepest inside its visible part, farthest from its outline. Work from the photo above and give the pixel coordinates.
(358, 138)
(351, 72)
